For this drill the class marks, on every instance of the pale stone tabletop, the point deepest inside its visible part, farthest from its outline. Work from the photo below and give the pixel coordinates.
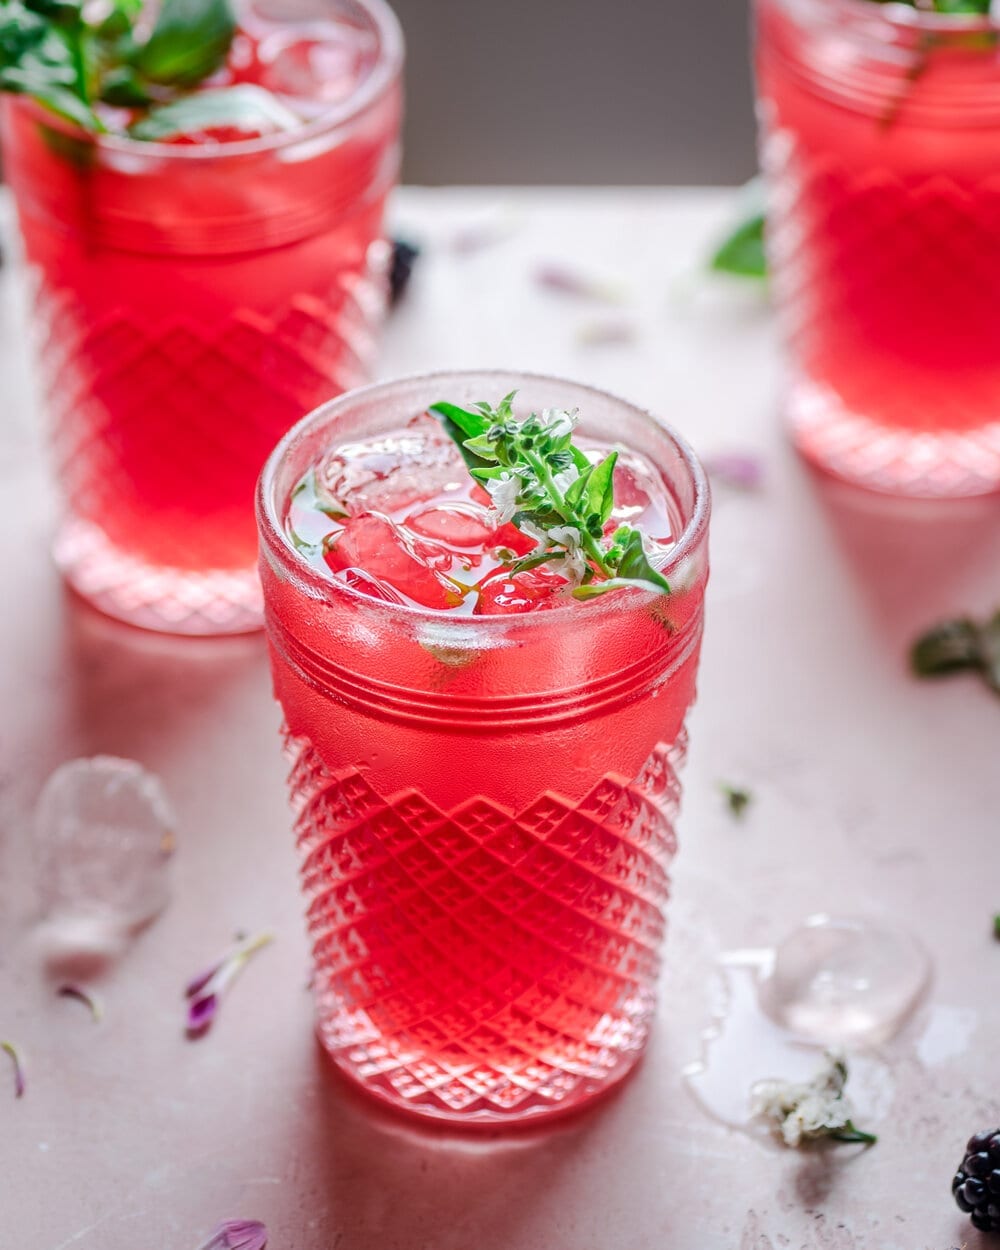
(874, 794)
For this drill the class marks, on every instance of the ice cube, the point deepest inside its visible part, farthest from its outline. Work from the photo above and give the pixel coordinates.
(393, 472)
(531, 591)
(104, 836)
(371, 542)
(458, 524)
(842, 981)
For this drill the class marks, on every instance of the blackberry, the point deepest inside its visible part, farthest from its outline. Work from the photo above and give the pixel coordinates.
(976, 1186)
(403, 257)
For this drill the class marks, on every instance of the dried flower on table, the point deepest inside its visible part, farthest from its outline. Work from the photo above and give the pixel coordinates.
(566, 280)
(607, 333)
(961, 645)
(89, 1000)
(737, 799)
(17, 1060)
(478, 235)
(206, 991)
(739, 470)
(810, 1110)
(237, 1235)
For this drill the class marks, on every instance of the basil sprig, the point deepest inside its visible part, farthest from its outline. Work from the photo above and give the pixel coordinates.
(537, 478)
(50, 50)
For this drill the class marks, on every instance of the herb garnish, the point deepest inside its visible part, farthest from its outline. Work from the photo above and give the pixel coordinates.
(961, 645)
(552, 492)
(70, 62)
(737, 799)
(811, 1110)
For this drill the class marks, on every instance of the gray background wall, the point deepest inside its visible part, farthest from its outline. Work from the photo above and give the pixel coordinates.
(578, 91)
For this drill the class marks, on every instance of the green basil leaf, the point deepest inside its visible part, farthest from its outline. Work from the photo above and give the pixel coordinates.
(947, 648)
(989, 648)
(742, 252)
(634, 563)
(601, 488)
(189, 41)
(574, 495)
(244, 107)
(123, 88)
(472, 424)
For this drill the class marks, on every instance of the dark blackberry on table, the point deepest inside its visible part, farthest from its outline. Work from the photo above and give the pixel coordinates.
(404, 256)
(976, 1185)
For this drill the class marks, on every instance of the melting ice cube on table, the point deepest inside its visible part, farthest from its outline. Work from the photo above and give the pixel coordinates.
(844, 981)
(104, 836)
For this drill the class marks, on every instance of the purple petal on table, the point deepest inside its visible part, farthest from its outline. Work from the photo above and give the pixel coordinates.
(201, 1013)
(195, 986)
(478, 235)
(90, 1001)
(20, 1084)
(565, 280)
(741, 470)
(238, 1235)
(607, 333)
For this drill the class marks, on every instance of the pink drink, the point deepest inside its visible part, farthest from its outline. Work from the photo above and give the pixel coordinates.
(485, 795)
(194, 298)
(881, 143)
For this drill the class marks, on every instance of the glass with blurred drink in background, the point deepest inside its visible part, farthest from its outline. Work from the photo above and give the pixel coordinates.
(880, 139)
(206, 265)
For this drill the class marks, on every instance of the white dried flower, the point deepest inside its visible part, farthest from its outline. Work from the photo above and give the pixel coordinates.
(574, 565)
(560, 421)
(503, 492)
(806, 1111)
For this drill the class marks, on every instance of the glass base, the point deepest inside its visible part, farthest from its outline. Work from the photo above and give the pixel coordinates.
(403, 1089)
(946, 464)
(169, 600)
(478, 966)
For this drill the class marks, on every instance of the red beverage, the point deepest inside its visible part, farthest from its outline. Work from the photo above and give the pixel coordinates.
(485, 783)
(193, 298)
(881, 144)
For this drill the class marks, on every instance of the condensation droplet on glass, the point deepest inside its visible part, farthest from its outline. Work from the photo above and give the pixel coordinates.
(848, 981)
(104, 837)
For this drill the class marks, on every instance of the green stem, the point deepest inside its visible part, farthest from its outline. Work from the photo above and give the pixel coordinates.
(851, 1134)
(589, 543)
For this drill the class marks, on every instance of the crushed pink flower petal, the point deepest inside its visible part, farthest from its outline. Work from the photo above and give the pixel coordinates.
(206, 991)
(740, 470)
(564, 280)
(90, 1001)
(16, 1058)
(201, 1013)
(237, 1235)
(198, 983)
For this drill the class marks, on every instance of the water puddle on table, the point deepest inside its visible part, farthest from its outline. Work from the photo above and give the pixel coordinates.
(841, 984)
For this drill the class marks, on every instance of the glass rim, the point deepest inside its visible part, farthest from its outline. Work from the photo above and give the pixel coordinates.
(907, 17)
(271, 530)
(384, 74)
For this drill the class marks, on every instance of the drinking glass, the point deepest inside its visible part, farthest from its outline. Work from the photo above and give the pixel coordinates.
(880, 138)
(485, 805)
(190, 302)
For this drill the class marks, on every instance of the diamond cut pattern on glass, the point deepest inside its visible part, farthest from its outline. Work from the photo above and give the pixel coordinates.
(480, 962)
(870, 271)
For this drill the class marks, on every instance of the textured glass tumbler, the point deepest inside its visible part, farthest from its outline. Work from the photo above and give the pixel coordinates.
(485, 804)
(190, 303)
(880, 139)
